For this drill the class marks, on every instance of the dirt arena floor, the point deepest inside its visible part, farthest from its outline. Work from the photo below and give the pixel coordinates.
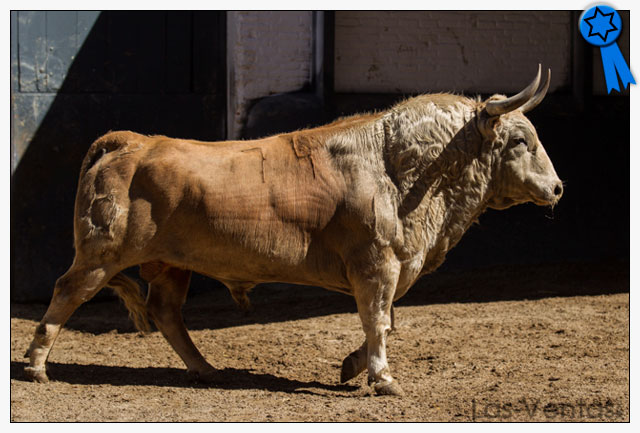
(514, 343)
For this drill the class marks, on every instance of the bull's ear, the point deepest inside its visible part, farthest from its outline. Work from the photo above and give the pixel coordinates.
(499, 107)
(486, 123)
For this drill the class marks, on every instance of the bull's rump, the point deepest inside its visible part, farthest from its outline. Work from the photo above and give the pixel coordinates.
(232, 210)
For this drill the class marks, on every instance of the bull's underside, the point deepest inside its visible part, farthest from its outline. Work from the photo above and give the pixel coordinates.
(346, 207)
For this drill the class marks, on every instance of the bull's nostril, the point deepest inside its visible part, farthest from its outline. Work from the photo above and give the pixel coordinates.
(558, 190)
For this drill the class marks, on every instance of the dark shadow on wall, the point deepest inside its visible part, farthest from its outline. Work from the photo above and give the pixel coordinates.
(152, 72)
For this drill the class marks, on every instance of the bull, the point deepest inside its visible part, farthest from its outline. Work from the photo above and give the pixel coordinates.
(365, 205)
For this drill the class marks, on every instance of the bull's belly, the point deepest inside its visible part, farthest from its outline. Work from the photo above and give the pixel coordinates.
(236, 264)
(251, 255)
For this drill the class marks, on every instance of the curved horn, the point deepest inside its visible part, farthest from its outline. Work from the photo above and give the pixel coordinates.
(539, 96)
(496, 108)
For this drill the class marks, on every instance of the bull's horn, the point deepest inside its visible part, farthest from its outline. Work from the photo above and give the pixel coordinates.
(497, 108)
(539, 96)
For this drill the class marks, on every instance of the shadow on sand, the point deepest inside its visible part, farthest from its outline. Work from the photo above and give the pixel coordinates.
(228, 378)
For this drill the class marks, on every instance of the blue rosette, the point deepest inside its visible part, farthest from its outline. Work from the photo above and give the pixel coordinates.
(600, 26)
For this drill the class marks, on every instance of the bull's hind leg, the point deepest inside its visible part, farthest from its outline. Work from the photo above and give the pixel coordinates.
(76, 286)
(168, 288)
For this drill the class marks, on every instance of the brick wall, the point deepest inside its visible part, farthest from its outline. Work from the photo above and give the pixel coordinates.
(268, 53)
(482, 52)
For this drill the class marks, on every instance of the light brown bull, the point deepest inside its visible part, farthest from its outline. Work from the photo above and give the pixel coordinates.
(364, 206)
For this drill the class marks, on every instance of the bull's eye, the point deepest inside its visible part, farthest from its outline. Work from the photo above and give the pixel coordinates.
(520, 140)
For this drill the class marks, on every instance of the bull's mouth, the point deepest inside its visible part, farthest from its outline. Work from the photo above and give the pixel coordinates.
(503, 203)
(539, 200)
(538, 195)
(547, 200)
(506, 202)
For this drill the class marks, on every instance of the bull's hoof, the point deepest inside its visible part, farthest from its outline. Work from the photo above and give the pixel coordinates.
(36, 374)
(388, 388)
(205, 376)
(349, 370)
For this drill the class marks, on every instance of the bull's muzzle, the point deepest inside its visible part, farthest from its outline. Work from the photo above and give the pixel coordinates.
(558, 190)
(551, 195)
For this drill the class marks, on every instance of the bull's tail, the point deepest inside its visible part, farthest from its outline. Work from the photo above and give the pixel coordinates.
(129, 291)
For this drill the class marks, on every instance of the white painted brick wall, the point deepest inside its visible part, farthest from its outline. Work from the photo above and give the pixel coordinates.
(421, 51)
(268, 52)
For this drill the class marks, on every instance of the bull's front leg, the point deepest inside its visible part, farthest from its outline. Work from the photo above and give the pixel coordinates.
(374, 289)
(356, 362)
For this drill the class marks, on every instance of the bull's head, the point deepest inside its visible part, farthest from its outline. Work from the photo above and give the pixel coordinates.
(524, 172)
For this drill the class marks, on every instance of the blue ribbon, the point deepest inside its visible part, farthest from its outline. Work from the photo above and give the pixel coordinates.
(613, 61)
(601, 26)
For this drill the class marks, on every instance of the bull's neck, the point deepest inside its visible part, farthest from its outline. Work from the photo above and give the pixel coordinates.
(450, 193)
(463, 198)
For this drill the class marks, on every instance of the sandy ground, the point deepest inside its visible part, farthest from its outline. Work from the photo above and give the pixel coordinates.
(534, 343)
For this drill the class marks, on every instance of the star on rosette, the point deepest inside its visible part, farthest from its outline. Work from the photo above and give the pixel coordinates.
(600, 24)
